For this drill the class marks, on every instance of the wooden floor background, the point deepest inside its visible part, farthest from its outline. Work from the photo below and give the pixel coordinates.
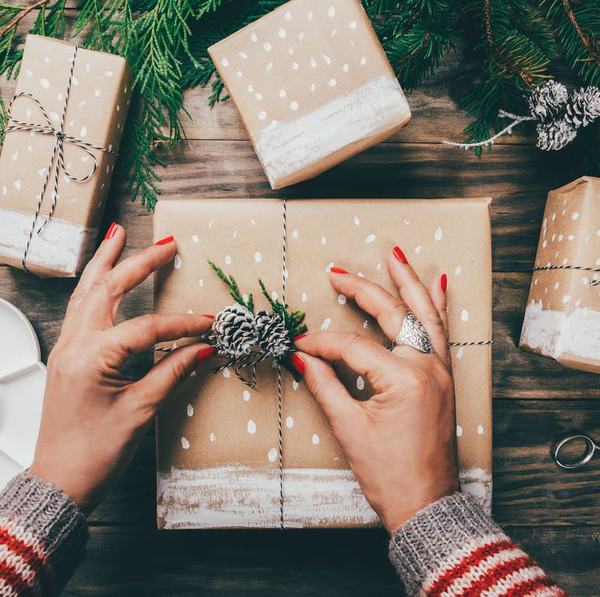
(554, 513)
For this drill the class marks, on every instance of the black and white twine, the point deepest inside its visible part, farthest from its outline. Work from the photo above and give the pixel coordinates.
(58, 159)
(571, 267)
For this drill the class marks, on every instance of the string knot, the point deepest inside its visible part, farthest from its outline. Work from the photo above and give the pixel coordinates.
(57, 160)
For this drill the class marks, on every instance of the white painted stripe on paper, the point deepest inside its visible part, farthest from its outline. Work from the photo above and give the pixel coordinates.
(62, 246)
(555, 333)
(239, 496)
(478, 484)
(285, 148)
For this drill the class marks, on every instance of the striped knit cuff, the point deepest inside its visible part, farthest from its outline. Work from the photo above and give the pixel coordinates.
(431, 536)
(42, 535)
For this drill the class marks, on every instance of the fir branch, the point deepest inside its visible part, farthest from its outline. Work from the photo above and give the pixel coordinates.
(19, 13)
(293, 321)
(231, 283)
(577, 29)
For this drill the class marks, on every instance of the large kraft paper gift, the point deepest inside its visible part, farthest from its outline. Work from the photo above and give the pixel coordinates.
(313, 87)
(562, 318)
(88, 93)
(218, 455)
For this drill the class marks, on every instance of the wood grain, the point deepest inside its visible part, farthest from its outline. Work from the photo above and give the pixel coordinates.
(138, 560)
(554, 513)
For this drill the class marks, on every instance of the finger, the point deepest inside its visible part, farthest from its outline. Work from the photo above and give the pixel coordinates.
(103, 299)
(142, 333)
(171, 371)
(361, 354)
(388, 310)
(416, 296)
(437, 292)
(333, 398)
(104, 260)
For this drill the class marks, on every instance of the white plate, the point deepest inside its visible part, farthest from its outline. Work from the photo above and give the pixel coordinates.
(22, 385)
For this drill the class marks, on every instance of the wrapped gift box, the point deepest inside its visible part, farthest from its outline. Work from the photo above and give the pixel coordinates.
(218, 461)
(313, 87)
(96, 111)
(562, 318)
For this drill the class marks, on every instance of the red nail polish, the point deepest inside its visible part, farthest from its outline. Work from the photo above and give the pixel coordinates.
(206, 354)
(165, 241)
(399, 255)
(338, 270)
(444, 282)
(298, 363)
(299, 337)
(111, 231)
(208, 315)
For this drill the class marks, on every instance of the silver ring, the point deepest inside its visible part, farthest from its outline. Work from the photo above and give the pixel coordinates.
(414, 334)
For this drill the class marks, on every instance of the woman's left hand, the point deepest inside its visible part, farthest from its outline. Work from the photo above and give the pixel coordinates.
(94, 417)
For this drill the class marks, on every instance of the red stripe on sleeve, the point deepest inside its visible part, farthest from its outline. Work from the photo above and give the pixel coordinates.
(476, 557)
(29, 555)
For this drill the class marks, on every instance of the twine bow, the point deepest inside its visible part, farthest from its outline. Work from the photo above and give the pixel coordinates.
(57, 161)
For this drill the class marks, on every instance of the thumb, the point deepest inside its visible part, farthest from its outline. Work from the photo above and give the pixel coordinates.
(171, 371)
(343, 412)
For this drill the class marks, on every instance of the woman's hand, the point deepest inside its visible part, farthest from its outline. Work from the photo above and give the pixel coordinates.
(94, 417)
(401, 442)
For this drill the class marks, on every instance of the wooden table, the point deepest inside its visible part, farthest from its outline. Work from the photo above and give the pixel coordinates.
(554, 513)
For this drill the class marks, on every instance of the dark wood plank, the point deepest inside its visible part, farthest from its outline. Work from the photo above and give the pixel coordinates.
(518, 179)
(138, 560)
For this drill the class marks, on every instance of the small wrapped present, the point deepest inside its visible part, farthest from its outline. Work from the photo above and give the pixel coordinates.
(66, 121)
(218, 440)
(313, 87)
(562, 318)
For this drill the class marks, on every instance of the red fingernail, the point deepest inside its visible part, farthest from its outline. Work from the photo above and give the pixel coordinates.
(206, 354)
(165, 241)
(299, 337)
(208, 315)
(444, 282)
(338, 270)
(298, 363)
(111, 231)
(399, 255)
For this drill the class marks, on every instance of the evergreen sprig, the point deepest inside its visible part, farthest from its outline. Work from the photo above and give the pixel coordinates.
(231, 283)
(294, 321)
(510, 47)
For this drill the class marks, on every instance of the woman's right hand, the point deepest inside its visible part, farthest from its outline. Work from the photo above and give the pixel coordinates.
(401, 443)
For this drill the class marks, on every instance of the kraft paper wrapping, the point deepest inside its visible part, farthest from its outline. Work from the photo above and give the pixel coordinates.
(562, 318)
(313, 87)
(96, 113)
(218, 440)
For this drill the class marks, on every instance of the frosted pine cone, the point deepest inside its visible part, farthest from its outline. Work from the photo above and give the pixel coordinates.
(584, 107)
(273, 336)
(234, 331)
(553, 136)
(548, 101)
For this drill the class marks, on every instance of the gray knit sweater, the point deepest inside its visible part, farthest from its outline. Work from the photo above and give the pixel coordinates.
(449, 548)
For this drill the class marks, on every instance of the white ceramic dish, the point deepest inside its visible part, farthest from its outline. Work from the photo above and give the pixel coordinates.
(22, 384)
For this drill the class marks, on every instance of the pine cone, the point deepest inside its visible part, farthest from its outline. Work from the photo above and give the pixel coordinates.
(584, 107)
(554, 135)
(234, 331)
(273, 336)
(548, 101)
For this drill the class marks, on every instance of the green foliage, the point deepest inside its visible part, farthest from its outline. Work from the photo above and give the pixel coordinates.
(235, 293)
(294, 321)
(510, 47)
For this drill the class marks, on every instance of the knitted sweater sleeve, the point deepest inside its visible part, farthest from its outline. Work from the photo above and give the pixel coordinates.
(42, 537)
(453, 548)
